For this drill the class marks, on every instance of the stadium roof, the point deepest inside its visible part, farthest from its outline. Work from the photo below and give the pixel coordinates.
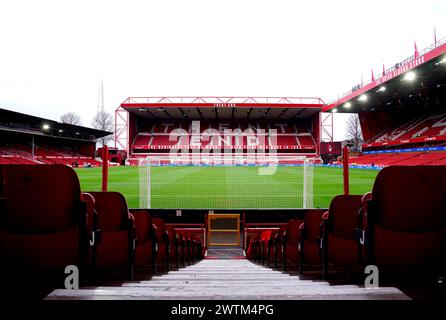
(223, 108)
(27, 124)
(424, 73)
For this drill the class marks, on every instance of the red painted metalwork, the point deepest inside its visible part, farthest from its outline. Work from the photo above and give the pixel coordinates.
(121, 129)
(425, 55)
(216, 102)
(345, 160)
(122, 117)
(104, 168)
(327, 129)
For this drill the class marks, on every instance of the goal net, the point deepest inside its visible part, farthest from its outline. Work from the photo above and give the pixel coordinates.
(222, 184)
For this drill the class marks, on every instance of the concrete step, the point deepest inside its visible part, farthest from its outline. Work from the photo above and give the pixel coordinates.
(228, 279)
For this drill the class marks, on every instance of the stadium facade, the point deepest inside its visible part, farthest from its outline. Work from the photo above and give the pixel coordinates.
(390, 238)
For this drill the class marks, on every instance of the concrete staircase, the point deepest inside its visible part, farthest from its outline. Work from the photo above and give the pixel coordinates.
(228, 279)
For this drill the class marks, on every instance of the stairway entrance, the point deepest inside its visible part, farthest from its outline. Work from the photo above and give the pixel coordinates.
(223, 230)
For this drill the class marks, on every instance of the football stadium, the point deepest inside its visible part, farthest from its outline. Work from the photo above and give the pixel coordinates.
(220, 197)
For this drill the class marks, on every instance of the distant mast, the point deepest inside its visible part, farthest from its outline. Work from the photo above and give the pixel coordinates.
(100, 106)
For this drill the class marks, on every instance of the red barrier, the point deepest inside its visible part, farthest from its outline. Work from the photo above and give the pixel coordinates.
(345, 171)
(104, 168)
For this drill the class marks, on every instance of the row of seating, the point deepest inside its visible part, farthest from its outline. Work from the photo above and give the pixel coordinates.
(403, 158)
(16, 160)
(81, 161)
(422, 126)
(282, 128)
(144, 141)
(47, 224)
(400, 227)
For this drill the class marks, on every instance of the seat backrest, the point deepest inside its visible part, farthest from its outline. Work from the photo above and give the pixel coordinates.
(293, 231)
(313, 222)
(265, 235)
(113, 213)
(143, 224)
(161, 229)
(39, 199)
(410, 199)
(343, 215)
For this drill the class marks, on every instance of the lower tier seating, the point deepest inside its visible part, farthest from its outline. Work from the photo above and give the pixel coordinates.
(400, 227)
(401, 159)
(47, 224)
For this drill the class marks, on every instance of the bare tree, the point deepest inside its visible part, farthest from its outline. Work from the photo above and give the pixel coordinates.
(353, 131)
(71, 118)
(103, 121)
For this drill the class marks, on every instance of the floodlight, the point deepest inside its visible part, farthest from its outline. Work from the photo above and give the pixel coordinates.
(347, 105)
(334, 110)
(363, 98)
(443, 60)
(410, 76)
(46, 127)
(381, 89)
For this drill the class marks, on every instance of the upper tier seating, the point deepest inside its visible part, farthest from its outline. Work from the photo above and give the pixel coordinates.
(421, 126)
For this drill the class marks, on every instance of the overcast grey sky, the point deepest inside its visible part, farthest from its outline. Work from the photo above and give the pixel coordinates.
(53, 54)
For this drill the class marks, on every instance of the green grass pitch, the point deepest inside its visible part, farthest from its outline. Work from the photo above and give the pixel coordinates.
(227, 187)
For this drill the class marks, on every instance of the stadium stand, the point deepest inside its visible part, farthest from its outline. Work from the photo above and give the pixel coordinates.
(166, 136)
(25, 139)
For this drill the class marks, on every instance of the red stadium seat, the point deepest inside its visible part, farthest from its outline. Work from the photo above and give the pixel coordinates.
(278, 243)
(162, 255)
(406, 220)
(263, 245)
(310, 240)
(341, 248)
(145, 233)
(252, 246)
(291, 245)
(115, 250)
(175, 245)
(198, 247)
(42, 227)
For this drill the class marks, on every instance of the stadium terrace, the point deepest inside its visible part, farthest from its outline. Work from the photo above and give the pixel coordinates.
(185, 205)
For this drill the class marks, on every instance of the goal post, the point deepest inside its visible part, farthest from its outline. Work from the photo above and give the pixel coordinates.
(286, 182)
(144, 180)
